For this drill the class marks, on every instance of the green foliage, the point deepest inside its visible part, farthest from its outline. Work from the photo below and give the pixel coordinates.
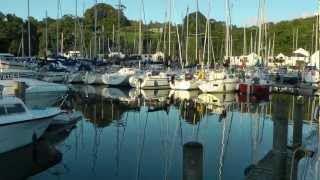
(155, 35)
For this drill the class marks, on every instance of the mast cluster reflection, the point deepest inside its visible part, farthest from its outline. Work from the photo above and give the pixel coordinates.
(165, 134)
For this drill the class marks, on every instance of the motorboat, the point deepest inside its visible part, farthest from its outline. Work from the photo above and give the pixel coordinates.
(31, 86)
(20, 126)
(119, 78)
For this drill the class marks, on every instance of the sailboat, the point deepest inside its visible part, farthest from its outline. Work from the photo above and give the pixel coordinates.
(150, 80)
(120, 78)
(185, 82)
(221, 85)
(92, 78)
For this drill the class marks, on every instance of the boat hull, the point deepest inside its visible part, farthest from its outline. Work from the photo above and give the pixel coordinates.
(184, 85)
(254, 89)
(115, 80)
(16, 135)
(75, 78)
(93, 78)
(218, 86)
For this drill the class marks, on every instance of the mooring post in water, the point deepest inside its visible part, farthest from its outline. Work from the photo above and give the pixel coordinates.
(280, 137)
(192, 161)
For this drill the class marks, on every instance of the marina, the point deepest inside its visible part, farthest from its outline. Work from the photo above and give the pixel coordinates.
(116, 92)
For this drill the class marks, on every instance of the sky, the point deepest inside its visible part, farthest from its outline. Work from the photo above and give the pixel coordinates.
(244, 12)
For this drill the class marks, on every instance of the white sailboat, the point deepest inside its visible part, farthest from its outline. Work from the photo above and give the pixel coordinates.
(150, 80)
(20, 126)
(120, 78)
(220, 86)
(92, 78)
(75, 77)
(184, 82)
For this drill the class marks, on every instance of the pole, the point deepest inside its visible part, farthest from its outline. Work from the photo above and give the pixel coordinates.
(29, 33)
(75, 26)
(197, 31)
(57, 25)
(187, 38)
(95, 28)
(46, 53)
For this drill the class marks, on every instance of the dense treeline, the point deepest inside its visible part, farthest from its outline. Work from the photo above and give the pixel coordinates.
(14, 35)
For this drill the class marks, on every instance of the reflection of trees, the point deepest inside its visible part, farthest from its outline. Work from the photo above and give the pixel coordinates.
(28, 161)
(99, 110)
(281, 162)
(189, 110)
(289, 102)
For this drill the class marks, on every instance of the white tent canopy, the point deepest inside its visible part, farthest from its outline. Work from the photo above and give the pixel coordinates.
(301, 52)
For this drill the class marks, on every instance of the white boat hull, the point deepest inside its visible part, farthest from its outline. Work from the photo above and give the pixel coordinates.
(115, 80)
(219, 86)
(184, 85)
(75, 77)
(93, 78)
(15, 135)
(150, 83)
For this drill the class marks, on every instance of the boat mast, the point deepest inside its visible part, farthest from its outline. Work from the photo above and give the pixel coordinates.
(209, 33)
(197, 3)
(227, 38)
(46, 53)
(318, 28)
(119, 20)
(244, 41)
(140, 28)
(29, 33)
(260, 28)
(187, 37)
(22, 41)
(75, 25)
(95, 29)
(169, 24)
(57, 26)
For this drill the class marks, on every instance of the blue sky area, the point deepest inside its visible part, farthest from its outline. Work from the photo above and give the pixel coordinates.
(244, 12)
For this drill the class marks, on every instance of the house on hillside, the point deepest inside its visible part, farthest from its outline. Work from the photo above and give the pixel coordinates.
(300, 56)
(315, 60)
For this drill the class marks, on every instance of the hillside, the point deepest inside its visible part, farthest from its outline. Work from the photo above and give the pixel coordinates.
(155, 34)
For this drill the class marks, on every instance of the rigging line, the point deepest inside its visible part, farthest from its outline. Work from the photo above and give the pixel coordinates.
(124, 132)
(198, 130)
(180, 123)
(263, 123)
(222, 150)
(173, 146)
(229, 131)
(142, 148)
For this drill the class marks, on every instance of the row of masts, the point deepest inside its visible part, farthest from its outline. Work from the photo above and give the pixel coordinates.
(265, 46)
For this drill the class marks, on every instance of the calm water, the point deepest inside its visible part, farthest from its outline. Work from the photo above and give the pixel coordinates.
(127, 134)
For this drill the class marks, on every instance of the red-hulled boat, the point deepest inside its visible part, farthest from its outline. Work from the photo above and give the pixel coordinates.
(255, 84)
(254, 89)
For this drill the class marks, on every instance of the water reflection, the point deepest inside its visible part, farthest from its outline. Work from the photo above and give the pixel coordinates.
(35, 158)
(138, 134)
